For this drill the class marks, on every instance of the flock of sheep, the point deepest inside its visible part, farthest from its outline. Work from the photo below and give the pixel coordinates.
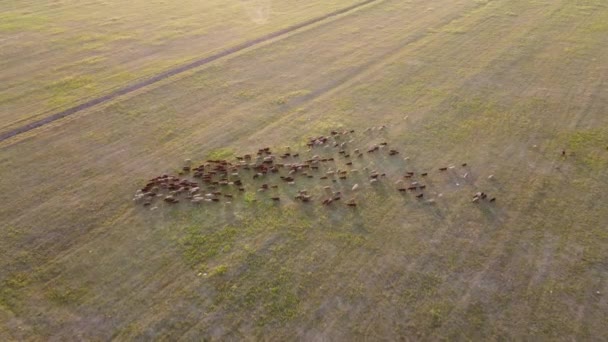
(330, 162)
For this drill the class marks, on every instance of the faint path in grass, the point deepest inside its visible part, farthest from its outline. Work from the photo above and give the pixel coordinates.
(178, 70)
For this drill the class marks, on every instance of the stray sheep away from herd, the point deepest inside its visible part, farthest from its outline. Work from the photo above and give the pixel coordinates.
(332, 168)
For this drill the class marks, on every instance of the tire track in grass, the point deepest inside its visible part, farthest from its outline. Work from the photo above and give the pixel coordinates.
(178, 70)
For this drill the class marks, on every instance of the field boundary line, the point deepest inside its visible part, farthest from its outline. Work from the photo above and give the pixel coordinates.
(179, 69)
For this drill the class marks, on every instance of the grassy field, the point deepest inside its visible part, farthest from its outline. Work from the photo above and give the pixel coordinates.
(504, 86)
(55, 54)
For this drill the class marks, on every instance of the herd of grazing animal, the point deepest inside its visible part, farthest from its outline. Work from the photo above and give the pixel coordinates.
(278, 177)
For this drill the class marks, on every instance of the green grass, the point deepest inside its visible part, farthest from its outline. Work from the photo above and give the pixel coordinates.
(80, 260)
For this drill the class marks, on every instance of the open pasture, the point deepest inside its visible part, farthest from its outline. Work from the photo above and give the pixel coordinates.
(56, 54)
(503, 86)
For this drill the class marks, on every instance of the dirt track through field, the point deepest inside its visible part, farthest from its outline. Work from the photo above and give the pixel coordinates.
(176, 71)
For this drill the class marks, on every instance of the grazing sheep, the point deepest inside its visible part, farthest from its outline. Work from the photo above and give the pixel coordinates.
(424, 174)
(419, 195)
(355, 187)
(491, 177)
(464, 164)
(493, 199)
(171, 199)
(443, 168)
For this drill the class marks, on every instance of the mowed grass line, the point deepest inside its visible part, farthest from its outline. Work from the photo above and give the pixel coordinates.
(528, 268)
